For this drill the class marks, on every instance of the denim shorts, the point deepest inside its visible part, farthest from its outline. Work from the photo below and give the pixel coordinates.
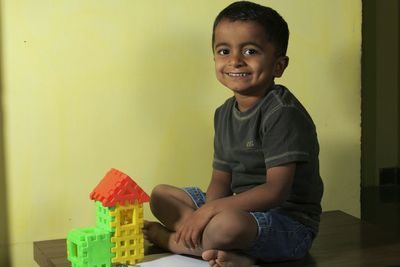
(279, 237)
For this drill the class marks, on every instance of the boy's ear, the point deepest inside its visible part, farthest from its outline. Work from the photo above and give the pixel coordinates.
(280, 66)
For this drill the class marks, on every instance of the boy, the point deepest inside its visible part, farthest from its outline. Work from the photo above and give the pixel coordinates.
(263, 200)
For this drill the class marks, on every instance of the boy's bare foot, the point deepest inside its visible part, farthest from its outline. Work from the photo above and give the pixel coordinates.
(157, 234)
(221, 258)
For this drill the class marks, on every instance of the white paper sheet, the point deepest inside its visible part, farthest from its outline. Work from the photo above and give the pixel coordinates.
(174, 261)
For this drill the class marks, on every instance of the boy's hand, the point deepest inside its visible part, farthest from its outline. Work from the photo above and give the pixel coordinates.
(191, 231)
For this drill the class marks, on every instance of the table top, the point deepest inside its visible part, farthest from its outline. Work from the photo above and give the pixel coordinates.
(343, 240)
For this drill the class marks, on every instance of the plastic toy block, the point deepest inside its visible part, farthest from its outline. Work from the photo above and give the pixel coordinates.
(128, 249)
(128, 219)
(104, 218)
(117, 187)
(89, 247)
(118, 237)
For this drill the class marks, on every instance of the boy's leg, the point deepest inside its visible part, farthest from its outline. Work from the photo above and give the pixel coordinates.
(171, 205)
(227, 235)
(230, 230)
(279, 238)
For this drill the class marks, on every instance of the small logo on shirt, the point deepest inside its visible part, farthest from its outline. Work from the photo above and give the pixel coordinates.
(250, 144)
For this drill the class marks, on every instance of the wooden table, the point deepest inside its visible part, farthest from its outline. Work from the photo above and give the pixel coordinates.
(343, 240)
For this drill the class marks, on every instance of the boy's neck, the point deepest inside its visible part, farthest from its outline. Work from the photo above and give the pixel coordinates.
(245, 102)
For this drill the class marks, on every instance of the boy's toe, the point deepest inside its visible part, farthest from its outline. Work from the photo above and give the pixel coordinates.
(209, 255)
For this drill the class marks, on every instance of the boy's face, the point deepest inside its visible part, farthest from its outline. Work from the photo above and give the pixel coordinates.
(245, 61)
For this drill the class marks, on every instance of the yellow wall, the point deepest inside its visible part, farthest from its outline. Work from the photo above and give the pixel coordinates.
(94, 84)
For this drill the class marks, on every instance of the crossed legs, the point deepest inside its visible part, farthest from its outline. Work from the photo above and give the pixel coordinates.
(227, 233)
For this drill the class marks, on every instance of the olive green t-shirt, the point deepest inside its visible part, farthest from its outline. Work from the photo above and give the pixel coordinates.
(275, 131)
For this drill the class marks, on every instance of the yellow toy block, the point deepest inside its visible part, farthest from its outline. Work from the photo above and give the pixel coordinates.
(128, 219)
(128, 235)
(128, 249)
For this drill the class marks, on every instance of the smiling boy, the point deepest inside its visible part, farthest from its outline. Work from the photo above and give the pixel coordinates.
(263, 200)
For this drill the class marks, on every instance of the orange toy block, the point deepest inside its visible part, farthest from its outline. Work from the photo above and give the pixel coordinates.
(117, 187)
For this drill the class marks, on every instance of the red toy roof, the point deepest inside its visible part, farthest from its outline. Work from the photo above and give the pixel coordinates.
(116, 187)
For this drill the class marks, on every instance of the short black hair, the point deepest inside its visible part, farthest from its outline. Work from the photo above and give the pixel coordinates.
(275, 26)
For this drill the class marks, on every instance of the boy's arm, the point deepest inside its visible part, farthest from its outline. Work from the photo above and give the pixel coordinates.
(261, 197)
(220, 185)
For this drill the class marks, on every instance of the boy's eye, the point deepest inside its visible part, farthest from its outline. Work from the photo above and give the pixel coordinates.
(249, 51)
(223, 52)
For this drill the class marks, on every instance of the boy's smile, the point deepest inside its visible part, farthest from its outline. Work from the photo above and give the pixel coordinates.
(245, 61)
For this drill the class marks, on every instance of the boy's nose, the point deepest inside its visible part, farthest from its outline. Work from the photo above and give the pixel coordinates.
(236, 60)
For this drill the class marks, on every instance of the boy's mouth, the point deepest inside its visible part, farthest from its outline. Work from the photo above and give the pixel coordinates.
(238, 74)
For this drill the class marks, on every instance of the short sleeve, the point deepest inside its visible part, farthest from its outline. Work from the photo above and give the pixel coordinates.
(287, 136)
(219, 162)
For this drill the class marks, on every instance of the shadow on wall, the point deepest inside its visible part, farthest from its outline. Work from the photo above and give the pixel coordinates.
(343, 181)
(4, 238)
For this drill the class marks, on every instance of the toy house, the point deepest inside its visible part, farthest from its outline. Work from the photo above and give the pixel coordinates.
(117, 237)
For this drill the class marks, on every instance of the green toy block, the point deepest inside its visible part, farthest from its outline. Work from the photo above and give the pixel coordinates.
(103, 217)
(89, 247)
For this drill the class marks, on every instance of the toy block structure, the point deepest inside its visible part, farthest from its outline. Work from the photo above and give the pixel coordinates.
(117, 237)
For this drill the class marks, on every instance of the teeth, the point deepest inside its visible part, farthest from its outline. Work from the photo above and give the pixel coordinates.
(237, 74)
